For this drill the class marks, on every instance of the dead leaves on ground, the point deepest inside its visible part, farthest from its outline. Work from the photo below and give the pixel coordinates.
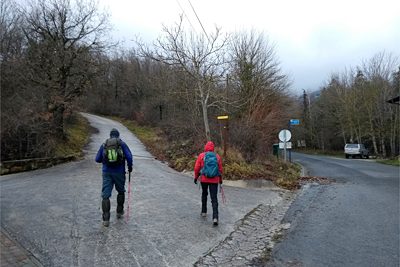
(316, 179)
(302, 180)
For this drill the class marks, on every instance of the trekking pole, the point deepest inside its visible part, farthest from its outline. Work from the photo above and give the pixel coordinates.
(223, 195)
(101, 198)
(129, 190)
(199, 178)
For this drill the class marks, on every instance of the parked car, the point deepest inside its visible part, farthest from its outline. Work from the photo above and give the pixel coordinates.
(354, 150)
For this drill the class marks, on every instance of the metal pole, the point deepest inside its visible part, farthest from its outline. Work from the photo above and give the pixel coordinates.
(290, 150)
(129, 191)
(225, 121)
(225, 137)
(284, 144)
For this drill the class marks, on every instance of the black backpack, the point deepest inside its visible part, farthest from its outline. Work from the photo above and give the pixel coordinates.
(113, 155)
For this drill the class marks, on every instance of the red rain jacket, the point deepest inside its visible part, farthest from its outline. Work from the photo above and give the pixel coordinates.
(200, 163)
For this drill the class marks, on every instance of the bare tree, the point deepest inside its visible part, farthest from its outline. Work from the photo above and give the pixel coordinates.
(383, 118)
(199, 56)
(333, 98)
(62, 36)
(355, 99)
(256, 67)
(260, 86)
(11, 35)
(11, 46)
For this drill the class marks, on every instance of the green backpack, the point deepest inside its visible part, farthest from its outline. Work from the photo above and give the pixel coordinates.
(113, 155)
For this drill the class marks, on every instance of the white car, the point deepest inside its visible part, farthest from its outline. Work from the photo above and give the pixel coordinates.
(354, 150)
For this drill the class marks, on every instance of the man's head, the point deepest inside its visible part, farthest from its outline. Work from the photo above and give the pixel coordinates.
(114, 132)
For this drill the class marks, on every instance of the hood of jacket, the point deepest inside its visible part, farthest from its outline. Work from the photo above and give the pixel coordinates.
(209, 147)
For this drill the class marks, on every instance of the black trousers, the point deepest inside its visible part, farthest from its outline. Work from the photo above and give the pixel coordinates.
(213, 188)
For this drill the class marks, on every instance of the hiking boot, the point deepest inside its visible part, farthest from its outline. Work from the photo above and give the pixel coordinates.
(203, 214)
(215, 221)
(106, 211)
(120, 204)
(119, 214)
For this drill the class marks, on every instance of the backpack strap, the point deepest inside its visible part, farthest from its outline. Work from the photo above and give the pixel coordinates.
(119, 145)
(104, 151)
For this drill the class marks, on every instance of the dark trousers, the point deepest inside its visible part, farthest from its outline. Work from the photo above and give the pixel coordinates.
(109, 180)
(214, 199)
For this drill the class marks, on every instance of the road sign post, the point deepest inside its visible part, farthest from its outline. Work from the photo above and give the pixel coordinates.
(292, 122)
(284, 146)
(284, 136)
(224, 119)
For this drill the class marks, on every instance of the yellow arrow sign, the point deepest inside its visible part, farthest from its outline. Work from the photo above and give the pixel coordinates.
(222, 117)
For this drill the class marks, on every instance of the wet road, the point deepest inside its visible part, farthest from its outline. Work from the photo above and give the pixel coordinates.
(55, 213)
(354, 222)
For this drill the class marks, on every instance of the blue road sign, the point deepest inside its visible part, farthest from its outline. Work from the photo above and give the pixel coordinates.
(294, 121)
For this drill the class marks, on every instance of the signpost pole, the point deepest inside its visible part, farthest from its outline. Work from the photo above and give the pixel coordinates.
(284, 144)
(224, 118)
(225, 138)
(284, 137)
(294, 122)
(290, 150)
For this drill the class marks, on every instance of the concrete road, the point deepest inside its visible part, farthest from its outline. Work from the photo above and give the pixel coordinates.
(55, 213)
(354, 222)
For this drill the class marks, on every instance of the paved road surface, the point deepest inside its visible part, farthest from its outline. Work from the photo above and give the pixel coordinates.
(354, 222)
(55, 214)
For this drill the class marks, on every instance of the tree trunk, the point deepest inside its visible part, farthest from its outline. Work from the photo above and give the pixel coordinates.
(373, 137)
(206, 125)
(394, 134)
(203, 100)
(205, 115)
(383, 148)
(343, 134)
(58, 120)
(375, 144)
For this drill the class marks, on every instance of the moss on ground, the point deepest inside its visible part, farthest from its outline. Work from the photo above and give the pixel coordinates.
(77, 135)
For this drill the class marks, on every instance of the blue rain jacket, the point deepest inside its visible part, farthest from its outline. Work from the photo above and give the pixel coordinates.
(120, 168)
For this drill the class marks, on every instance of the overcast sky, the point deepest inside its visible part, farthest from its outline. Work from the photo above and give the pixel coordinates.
(313, 38)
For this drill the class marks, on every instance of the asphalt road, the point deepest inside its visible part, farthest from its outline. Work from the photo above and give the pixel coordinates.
(353, 222)
(55, 213)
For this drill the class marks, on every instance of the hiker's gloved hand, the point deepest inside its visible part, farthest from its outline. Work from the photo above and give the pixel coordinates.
(195, 180)
(220, 182)
(130, 169)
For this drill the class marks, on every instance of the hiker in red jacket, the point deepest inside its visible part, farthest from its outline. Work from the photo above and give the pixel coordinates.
(211, 175)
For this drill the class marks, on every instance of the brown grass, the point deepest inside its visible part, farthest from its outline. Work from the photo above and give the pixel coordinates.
(180, 156)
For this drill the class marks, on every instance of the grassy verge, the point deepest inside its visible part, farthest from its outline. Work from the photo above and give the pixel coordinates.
(78, 133)
(284, 174)
(393, 162)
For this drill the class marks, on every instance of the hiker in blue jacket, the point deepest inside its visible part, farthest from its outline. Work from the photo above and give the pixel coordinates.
(113, 172)
(209, 178)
